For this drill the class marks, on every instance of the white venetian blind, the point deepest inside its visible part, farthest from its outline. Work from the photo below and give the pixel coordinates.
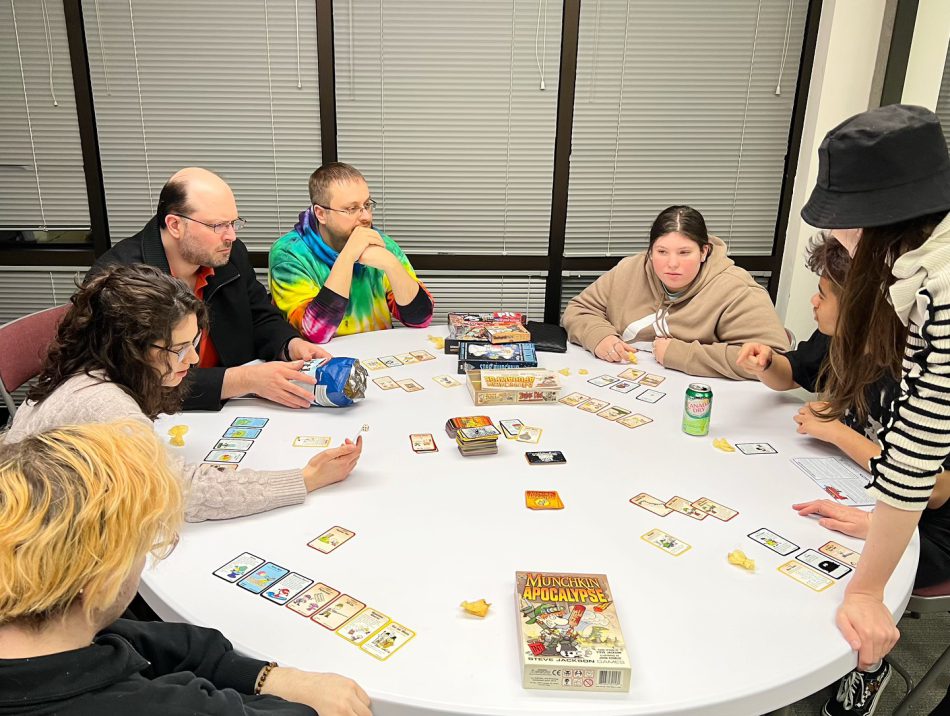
(228, 86)
(681, 102)
(485, 291)
(42, 185)
(439, 105)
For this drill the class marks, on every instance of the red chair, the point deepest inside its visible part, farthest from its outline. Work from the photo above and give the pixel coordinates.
(24, 343)
(928, 600)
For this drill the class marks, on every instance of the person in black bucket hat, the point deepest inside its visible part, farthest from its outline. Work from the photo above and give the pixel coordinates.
(883, 191)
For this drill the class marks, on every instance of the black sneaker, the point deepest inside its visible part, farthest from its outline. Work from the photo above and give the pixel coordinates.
(858, 693)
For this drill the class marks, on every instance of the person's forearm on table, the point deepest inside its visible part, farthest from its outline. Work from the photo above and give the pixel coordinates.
(888, 537)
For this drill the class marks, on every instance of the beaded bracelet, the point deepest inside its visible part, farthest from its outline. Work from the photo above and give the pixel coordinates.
(263, 677)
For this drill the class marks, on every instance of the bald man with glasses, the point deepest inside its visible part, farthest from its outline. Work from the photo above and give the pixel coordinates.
(193, 237)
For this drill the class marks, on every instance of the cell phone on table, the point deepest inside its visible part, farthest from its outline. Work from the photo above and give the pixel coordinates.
(545, 457)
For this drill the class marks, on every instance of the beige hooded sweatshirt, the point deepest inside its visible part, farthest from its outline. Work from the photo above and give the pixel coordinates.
(719, 311)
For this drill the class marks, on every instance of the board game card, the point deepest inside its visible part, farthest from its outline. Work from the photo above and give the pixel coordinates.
(667, 542)
(225, 456)
(220, 467)
(624, 386)
(631, 374)
(529, 435)
(651, 381)
(806, 575)
(409, 385)
(650, 396)
(480, 432)
(422, 356)
(238, 567)
(511, 427)
(685, 507)
(390, 361)
(406, 358)
(331, 539)
(242, 432)
(651, 504)
(312, 441)
(372, 364)
(756, 449)
(229, 444)
(338, 612)
(823, 564)
(603, 380)
(423, 442)
(363, 625)
(384, 382)
(262, 577)
(543, 500)
(714, 509)
(387, 641)
(574, 399)
(774, 542)
(249, 422)
(545, 457)
(312, 599)
(446, 381)
(840, 553)
(614, 412)
(290, 586)
(634, 421)
(593, 405)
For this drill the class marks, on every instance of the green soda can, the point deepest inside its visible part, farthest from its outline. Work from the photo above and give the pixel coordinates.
(697, 409)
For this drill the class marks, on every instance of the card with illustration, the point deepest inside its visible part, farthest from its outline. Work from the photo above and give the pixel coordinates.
(385, 382)
(226, 456)
(774, 542)
(714, 509)
(242, 432)
(593, 405)
(446, 381)
(631, 374)
(238, 567)
(372, 364)
(229, 444)
(614, 412)
(331, 539)
(406, 358)
(756, 449)
(651, 381)
(387, 641)
(423, 442)
(262, 577)
(312, 441)
(650, 396)
(313, 599)
(366, 623)
(249, 422)
(624, 386)
(685, 507)
(338, 612)
(287, 588)
(651, 504)
(840, 553)
(511, 427)
(390, 361)
(422, 356)
(634, 421)
(574, 399)
(543, 500)
(529, 435)
(220, 467)
(603, 380)
(823, 564)
(409, 385)
(811, 578)
(667, 542)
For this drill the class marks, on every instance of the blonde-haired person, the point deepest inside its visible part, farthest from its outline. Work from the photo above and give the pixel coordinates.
(123, 351)
(80, 509)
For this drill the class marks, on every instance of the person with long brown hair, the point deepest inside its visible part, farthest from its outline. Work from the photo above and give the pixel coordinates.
(884, 192)
(123, 351)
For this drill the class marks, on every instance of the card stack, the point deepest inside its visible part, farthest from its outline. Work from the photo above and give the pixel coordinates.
(482, 440)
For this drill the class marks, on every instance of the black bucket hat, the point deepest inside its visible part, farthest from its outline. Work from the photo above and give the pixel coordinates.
(880, 167)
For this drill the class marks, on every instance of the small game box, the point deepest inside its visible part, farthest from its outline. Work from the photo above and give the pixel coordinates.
(569, 634)
(488, 356)
(511, 386)
(499, 327)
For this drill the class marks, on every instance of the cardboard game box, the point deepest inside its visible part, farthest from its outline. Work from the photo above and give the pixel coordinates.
(488, 356)
(568, 633)
(511, 386)
(498, 328)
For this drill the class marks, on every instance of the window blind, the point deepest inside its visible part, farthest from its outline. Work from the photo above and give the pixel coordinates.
(681, 102)
(230, 87)
(42, 185)
(439, 105)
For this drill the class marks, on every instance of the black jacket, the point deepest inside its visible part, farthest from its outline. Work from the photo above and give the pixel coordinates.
(142, 669)
(245, 325)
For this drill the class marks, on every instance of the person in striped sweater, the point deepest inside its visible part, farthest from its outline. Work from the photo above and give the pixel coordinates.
(883, 190)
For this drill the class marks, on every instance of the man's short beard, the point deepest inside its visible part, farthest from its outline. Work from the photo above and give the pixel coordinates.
(212, 259)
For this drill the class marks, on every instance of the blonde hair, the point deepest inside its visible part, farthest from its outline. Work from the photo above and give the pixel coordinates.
(78, 507)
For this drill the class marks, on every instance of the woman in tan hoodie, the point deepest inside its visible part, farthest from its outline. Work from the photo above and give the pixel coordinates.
(683, 294)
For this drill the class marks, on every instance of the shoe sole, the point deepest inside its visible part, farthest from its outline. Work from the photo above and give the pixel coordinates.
(824, 708)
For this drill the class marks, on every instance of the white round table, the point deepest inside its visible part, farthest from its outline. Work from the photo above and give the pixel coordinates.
(704, 637)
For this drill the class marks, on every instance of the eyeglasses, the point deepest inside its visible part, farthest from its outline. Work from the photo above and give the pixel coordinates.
(237, 224)
(354, 210)
(165, 551)
(182, 352)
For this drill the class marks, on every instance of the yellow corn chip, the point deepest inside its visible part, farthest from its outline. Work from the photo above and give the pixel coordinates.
(177, 433)
(565, 371)
(583, 371)
(632, 357)
(478, 609)
(437, 341)
(723, 444)
(738, 558)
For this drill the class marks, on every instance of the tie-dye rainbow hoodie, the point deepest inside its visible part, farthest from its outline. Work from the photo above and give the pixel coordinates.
(300, 262)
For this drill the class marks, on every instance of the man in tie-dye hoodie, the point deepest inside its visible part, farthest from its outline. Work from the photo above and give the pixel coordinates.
(334, 274)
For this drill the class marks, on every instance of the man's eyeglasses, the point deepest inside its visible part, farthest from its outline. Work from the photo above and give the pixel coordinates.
(237, 224)
(354, 210)
(182, 353)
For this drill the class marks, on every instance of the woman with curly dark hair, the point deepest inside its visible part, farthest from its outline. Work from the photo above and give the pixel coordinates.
(123, 351)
